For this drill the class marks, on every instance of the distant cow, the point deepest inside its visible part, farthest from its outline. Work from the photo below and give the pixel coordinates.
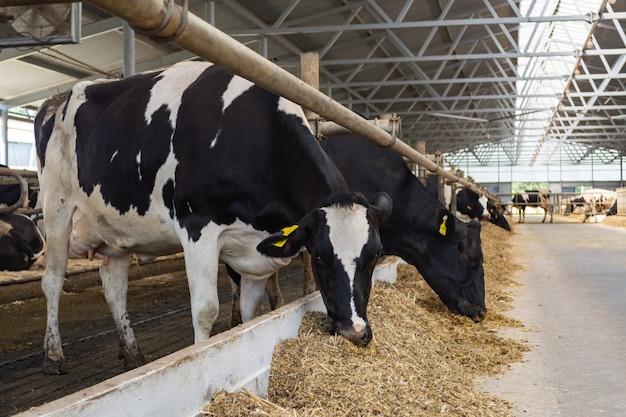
(21, 242)
(195, 158)
(533, 198)
(477, 206)
(593, 202)
(469, 204)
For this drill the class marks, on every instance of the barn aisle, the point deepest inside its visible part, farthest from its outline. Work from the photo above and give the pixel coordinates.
(572, 300)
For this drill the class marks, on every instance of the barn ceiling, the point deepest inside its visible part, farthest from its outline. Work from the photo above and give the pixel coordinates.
(486, 78)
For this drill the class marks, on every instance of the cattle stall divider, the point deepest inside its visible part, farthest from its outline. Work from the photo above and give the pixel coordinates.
(166, 21)
(17, 178)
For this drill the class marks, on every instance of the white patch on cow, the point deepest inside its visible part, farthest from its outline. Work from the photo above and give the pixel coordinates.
(290, 107)
(236, 87)
(236, 245)
(348, 245)
(5, 228)
(214, 141)
(175, 78)
(113, 156)
(138, 159)
(483, 200)
(525, 196)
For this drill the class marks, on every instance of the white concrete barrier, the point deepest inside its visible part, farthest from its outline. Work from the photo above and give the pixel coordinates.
(182, 383)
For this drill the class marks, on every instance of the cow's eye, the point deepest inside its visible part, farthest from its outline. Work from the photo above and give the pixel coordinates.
(472, 258)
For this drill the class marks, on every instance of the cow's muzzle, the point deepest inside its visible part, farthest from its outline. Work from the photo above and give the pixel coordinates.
(473, 311)
(359, 335)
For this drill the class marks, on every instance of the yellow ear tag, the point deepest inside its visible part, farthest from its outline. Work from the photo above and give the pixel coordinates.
(469, 207)
(443, 229)
(286, 232)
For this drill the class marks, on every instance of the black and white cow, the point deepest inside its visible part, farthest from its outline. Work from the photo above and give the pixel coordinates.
(593, 202)
(21, 242)
(469, 204)
(195, 158)
(447, 252)
(476, 206)
(532, 198)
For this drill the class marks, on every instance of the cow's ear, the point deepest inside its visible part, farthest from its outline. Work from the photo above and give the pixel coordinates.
(445, 223)
(381, 206)
(284, 244)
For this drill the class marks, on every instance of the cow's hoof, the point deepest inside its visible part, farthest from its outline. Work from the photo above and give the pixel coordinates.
(134, 361)
(52, 367)
(235, 319)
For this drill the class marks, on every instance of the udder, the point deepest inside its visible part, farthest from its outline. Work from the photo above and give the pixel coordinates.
(85, 242)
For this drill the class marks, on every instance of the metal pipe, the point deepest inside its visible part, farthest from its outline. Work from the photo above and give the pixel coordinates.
(129, 50)
(4, 134)
(210, 43)
(23, 193)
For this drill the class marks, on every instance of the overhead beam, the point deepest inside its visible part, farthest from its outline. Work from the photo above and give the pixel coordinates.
(200, 38)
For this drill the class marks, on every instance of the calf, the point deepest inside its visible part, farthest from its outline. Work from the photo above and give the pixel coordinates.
(533, 198)
(195, 158)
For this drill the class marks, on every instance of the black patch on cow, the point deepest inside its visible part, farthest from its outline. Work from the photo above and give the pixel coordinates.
(44, 130)
(111, 133)
(221, 150)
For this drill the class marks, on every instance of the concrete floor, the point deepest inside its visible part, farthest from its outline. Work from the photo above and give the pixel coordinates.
(572, 301)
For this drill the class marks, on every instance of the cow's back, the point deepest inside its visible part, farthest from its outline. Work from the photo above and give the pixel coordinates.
(181, 148)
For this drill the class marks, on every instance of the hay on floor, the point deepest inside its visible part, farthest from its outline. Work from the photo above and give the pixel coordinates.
(423, 361)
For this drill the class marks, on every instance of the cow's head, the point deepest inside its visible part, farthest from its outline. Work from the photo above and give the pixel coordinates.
(453, 265)
(474, 206)
(343, 240)
(497, 216)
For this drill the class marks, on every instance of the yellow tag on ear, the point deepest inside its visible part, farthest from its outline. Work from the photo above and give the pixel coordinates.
(469, 207)
(443, 229)
(289, 230)
(286, 232)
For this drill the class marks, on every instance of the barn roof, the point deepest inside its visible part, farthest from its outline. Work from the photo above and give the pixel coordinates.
(520, 79)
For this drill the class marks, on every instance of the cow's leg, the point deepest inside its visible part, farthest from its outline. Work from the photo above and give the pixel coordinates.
(309, 279)
(551, 208)
(201, 265)
(252, 291)
(58, 215)
(274, 294)
(114, 274)
(235, 313)
(272, 289)
(545, 213)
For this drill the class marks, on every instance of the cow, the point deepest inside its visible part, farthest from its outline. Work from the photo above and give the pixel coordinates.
(446, 251)
(469, 204)
(475, 206)
(194, 158)
(593, 202)
(21, 243)
(532, 198)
